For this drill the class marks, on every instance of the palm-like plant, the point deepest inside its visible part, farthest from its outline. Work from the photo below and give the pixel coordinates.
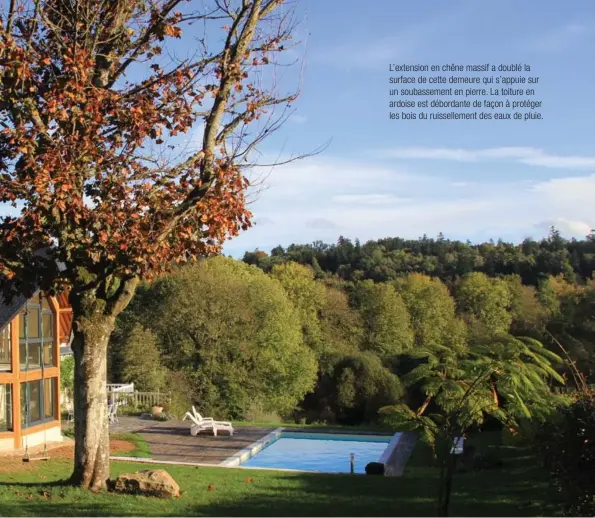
(506, 377)
(521, 373)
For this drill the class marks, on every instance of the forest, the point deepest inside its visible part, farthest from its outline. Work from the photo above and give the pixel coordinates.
(334, 333)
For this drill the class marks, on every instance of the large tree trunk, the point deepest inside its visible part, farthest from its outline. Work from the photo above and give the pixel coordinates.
(93, 323)
(91, 427)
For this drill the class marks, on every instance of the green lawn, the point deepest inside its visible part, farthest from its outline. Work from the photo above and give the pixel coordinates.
(517, 489)
(142, 448)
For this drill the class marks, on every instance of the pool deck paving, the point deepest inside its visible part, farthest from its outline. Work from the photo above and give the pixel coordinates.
(171, 441)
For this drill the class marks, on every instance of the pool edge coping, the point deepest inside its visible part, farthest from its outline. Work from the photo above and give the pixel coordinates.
(388, 453)
(249, 451)
(398, 442)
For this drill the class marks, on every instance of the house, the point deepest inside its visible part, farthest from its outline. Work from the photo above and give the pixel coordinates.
(31, 334)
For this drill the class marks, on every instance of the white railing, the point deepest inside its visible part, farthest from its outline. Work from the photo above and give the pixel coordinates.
(120, 387)
(139, 399)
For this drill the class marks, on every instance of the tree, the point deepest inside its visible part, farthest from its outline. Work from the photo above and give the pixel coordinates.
(340, 325)
(485, 303)
(506, 378)
(387, 325)
(233, 333)
(528, 314)
(307, 296)
(93, 102)
(570, 309)
(142, 363)
(363, 385)
(353, 389)
(432, 311)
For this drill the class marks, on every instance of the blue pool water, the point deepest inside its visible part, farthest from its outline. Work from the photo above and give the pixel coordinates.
(328, 453)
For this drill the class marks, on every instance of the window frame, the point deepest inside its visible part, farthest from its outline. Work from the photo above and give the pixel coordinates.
(40, 343)
(6, 337)
(50, 383)
(9, 393)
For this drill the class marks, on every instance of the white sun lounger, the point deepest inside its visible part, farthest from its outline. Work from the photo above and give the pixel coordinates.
(200, 424)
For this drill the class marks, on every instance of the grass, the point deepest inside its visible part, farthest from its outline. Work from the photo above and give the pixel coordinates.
(142, 448)
(517, 489)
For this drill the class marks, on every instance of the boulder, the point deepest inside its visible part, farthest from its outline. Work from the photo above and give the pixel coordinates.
(148, 482)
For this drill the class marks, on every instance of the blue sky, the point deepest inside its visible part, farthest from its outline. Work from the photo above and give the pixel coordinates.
(471, 180)
(468, 179)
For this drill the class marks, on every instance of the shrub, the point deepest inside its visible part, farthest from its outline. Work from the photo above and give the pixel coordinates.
(181, 395)
(257, 413)
(141, 360)
(67, 376)
(567, 447)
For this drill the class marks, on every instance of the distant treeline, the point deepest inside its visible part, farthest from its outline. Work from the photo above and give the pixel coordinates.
(387, 259)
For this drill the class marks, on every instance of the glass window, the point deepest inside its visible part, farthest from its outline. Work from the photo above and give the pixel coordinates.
(34, 355)
(47, 320)
(31, 403)
(50, 395)
(48, 354)
(5, 408)
(40, 334)
(33, 328)
(33, 321)
(5, 349)
(38, 401)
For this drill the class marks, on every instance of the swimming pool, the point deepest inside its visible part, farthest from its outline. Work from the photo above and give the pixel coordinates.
(322, 452)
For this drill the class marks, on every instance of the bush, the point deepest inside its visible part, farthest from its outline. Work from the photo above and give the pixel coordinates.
(133, 409)
(181, 391)
(142, 363)
(360, 386)
(567, 447)
(258, 414)
(67, 376)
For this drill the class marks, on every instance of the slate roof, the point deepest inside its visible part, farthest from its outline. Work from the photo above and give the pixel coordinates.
(9, 311)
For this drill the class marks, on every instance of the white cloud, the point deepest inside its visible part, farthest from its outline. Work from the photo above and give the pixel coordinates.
(567, 227)
(567, 192)
(368, 199)
(524, 155)
(321, 199)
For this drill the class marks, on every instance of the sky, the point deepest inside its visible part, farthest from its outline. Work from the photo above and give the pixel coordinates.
(471, 180)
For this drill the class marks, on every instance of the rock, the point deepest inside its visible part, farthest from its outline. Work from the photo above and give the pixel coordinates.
(375, 468)
(149, 482)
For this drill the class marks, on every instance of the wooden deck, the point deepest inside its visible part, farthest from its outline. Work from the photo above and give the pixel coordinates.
(171, 441)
